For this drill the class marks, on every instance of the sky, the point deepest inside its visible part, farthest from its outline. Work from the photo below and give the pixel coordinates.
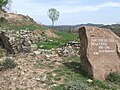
(72, 12)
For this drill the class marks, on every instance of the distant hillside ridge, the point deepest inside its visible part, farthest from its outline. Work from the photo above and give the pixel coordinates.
(114, 27)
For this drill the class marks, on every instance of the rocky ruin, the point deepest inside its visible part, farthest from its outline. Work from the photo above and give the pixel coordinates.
(100, 51)
(4, 43)
(21, 41)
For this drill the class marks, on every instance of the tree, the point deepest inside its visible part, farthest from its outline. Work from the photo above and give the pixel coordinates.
(4, 3)
(53, 15)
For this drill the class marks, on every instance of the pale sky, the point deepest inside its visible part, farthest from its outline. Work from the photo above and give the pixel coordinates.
(71, 11)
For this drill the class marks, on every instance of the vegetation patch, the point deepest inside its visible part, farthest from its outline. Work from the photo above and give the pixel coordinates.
(2, 52)
(75, 85)
(114, 77)
(18, 27)
(70, 71)
(44, 64)
(7, 64)
(57, 42)
(74, 78)
(103, 85)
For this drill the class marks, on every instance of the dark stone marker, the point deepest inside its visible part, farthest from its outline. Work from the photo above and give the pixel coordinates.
(4, 43)
(99, 51)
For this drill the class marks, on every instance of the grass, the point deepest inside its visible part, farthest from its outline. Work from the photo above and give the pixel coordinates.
(71, 70)
(114, 78)
(2, 52)
(57, 42)
(22, 27)
(75, 85)
(29, 27)
(44, 64)
(103, 85)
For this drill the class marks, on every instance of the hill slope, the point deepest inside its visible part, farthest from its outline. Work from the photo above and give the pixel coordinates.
(18, 21)
(114, 27)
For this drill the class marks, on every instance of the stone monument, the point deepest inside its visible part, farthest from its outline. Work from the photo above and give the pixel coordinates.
(99, 51)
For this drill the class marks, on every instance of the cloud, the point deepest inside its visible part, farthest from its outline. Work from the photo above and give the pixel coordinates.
(38, 8)
(79, 9)
(64, 6)
(109, 4)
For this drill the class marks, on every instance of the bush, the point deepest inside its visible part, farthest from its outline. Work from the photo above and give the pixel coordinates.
(114, 77)
(7, 64)
(2, 52)
(75, 85)
(101, 84)
(60, 87)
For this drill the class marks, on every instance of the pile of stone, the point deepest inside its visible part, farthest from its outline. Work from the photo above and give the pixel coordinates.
(23, 40)
(67, 51)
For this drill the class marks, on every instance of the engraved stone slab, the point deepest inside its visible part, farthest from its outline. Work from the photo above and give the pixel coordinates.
(100, 51)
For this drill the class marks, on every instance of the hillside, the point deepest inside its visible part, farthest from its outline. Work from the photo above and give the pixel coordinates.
(18, 21)
(114, 27)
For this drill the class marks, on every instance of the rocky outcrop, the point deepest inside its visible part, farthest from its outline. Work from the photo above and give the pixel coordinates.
(100, 51)
(25, 40)
(4, 43)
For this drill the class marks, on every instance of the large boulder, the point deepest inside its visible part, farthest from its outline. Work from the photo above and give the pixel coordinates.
(100, 51)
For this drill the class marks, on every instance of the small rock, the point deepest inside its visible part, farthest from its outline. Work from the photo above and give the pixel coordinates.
(33, 47)
(50, 40)
(38, 79)
(47, 56)
(37, 52)
(22, 73)
(19, 67)
(14, 78)
(41, 46)
(89, 81)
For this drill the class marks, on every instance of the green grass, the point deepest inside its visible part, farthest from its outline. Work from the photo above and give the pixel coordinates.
(114, 78)
(44, 64)
(71, 70)
(103, 85)
(57, 42)
(29, 27)
(23, 27)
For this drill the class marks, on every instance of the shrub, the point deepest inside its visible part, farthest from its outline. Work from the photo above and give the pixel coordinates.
(2, 52)
(59, 87)
(103, 85)
(114, 77)
(75, 85)
(7, 64)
